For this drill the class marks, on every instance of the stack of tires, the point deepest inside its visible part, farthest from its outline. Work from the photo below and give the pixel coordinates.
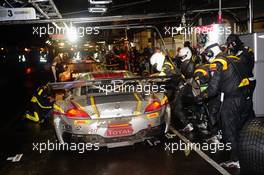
(251, 147)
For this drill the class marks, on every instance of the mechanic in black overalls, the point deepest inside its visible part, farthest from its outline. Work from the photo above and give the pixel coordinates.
(184, 94)
(237, 48)
(202, 75)
(40, 104)
(230, 81)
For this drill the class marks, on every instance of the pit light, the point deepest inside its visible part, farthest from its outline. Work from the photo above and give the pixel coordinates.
(71, 34)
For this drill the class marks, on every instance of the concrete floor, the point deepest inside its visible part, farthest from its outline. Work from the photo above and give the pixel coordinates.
(141, 159)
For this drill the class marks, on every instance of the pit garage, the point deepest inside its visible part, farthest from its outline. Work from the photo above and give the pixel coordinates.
(132, 87)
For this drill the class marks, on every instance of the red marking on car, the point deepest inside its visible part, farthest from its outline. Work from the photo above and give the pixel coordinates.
(118, 130)
(108, 75)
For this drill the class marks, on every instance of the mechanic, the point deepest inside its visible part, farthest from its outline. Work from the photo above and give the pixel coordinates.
(202, 75)
(230, 81)
(237, 48)
(188, 45)
(57, 66)
(162, 65)
(40, 104)
(184, 93)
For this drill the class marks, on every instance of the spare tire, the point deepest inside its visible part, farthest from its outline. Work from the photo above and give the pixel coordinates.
(251, 147)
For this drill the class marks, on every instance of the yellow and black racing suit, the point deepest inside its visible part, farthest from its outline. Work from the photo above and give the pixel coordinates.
(184, 96)
(202, 75)
(40, 104)
(168, 69)
(230, 81)
(246, 56)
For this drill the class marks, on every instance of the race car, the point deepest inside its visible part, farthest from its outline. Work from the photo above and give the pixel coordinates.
(106, 115)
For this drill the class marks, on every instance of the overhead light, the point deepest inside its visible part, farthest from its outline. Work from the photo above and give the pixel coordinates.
(71, 34)
(100, 2)
(97, 9)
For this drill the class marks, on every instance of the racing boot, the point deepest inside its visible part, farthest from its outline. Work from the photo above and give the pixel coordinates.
(230, 164)
(213, 139)
(188, 128)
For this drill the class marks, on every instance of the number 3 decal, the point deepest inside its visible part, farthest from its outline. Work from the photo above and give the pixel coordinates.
(9, 13)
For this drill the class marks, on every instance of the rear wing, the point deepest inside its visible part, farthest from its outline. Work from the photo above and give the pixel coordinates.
(80, 83)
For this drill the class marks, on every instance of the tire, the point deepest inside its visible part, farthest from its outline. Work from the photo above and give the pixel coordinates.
(251, 147)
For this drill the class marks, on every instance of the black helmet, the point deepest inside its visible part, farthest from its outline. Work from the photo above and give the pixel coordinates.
(187, 44)
(234, 43)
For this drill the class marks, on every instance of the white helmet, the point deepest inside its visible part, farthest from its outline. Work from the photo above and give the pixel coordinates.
(158, 60)
(185, 53)
(211, 50)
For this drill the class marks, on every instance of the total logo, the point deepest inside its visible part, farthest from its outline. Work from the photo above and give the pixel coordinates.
(119, 130)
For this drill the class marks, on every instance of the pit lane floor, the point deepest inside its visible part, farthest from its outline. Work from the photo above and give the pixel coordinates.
(144, 158)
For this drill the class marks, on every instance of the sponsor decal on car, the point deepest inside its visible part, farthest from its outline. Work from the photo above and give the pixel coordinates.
(108, 75)
(118, 130)
(81, 122)
(153, 115)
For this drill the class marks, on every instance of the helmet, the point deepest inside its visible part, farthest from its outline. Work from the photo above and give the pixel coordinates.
(234, 43)
(185, 53)
(211, 50)
(157, 60)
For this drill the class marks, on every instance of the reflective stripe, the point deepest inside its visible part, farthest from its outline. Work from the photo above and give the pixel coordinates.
(35, 100)
(40, 92)
(223, 62)
(57, 107)
(202, 71)
(162, 73)
(94, 106)
(34, 118)
(212, 66)
(169, 64)
(233, 57)
(139, 104)
(164, 100)
(244, 82)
